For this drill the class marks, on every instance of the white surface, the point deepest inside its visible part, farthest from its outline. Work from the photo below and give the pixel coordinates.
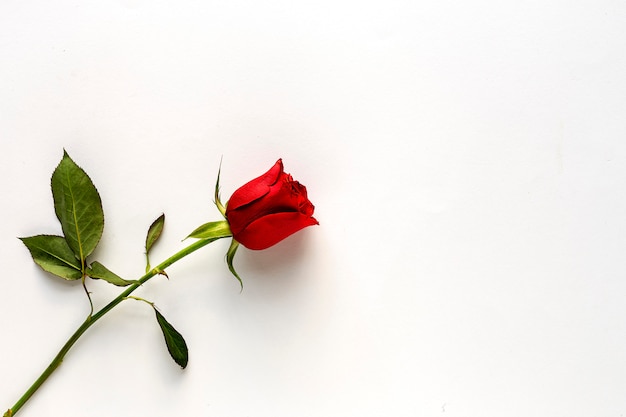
(466, 160)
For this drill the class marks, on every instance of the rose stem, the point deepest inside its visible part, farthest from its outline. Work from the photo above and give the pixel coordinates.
(95, 317)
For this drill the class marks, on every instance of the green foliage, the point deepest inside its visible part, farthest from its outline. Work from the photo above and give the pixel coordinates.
(78, 207)
(175, 342)
(154, 232)
(53, 254)
(99, 271)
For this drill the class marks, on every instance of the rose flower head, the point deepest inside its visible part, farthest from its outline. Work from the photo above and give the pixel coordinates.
(268, 209)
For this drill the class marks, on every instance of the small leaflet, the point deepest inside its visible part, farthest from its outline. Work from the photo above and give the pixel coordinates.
(154, 232)
(53, 255)
(99, 271)
(176, 345)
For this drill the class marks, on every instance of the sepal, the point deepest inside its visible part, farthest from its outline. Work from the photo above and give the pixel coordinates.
(212, 230)
(230, 256)
(218, 202)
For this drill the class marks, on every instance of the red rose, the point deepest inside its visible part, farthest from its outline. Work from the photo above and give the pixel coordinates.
(269, 208)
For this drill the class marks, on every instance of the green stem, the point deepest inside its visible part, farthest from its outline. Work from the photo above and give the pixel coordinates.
(91, 319)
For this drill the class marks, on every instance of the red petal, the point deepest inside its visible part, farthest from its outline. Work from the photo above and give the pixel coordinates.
(283, 197)
(256, 188)
(271, 229)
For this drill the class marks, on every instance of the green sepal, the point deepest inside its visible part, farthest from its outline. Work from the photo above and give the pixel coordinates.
(175, 342)
(99, 271)
(212, 230)
(78, 207)
(230, 256)
(154, 232)
(53, 255)
(218, 203)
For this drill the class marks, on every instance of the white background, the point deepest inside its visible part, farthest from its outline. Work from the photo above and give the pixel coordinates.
(467, 164)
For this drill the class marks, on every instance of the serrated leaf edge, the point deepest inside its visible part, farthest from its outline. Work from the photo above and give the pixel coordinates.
(81, 255)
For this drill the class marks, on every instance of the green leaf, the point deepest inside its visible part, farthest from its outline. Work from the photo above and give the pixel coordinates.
(212, 230)
(99, 271)
(78, 207)
(53, 255)
(154, 232)
(230, 256)
(175, 342)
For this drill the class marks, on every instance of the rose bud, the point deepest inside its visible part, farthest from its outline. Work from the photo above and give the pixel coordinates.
(268, 209)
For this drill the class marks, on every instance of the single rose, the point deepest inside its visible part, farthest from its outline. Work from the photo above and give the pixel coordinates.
(268, 209)
(261, 213)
